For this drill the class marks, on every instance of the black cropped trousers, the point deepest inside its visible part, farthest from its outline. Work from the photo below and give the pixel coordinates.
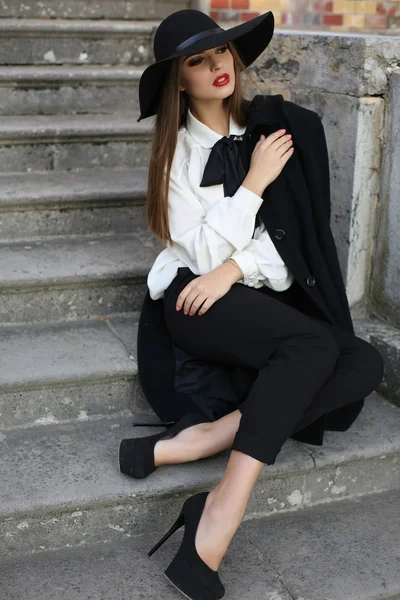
(306, 366)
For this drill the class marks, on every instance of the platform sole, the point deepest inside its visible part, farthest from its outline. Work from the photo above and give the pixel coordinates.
(186, 596)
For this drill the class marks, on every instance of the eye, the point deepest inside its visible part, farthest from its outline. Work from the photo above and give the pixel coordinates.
(197, 61)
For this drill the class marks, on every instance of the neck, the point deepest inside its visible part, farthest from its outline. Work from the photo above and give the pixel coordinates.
(216, 117)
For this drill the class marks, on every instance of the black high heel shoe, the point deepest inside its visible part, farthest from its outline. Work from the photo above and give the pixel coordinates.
(136, 455)
(187, 571)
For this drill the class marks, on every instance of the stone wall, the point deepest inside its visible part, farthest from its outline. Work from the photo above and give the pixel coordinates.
(385, 296)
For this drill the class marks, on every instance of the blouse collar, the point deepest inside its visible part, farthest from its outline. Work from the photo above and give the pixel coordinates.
(205, 136)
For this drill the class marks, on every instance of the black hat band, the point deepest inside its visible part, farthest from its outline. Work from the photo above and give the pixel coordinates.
(197, 37)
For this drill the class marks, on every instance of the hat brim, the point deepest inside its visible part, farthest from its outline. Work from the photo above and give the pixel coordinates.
(251, 38)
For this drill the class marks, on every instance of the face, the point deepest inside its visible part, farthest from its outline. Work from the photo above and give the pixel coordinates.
(199, 71)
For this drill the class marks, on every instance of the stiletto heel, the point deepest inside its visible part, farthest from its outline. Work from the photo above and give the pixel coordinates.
(136, 455)
(178, 523)
(187, 571)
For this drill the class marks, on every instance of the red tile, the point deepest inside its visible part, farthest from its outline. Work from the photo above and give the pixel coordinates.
(219, 3)
(376, 21)
(387, 8)
(246, 16)
(240, 4)
(214, 14)
(323, 5)
(333, 19)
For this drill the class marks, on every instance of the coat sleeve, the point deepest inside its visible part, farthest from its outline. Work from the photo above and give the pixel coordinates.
(310, 140)
(323, 161)
(203, 240)
(261, 262)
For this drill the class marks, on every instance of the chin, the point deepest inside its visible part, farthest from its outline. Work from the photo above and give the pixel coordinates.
(228, 89)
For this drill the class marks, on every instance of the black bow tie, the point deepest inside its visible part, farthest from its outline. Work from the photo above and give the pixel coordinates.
(225, 166)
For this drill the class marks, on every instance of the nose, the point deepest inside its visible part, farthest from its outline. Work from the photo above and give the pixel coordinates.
(216, 61)
(217, 66)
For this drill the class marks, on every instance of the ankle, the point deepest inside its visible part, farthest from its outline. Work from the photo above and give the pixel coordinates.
(193, 441)
(221, 506)
(185, 446)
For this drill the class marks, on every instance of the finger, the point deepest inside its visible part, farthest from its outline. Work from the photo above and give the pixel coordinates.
(285, 146)
(181, 301)
(207, 304)
(197, 304)
(189, 301)
(279, 143)
(288, 153)
(275, 136)
(182, 296)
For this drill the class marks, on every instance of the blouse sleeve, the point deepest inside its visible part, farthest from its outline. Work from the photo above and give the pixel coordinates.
(261, 262)
(202, 239)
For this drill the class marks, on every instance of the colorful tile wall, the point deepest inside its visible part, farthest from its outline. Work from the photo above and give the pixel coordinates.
(335, 15)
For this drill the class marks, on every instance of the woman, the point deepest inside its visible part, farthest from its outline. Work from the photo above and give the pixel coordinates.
(228, 296)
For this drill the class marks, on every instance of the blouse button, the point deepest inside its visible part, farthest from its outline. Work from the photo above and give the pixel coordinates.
(251, 284)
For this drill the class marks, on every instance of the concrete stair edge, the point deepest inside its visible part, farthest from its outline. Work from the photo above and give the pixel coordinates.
(336, 551)
(67, 187)
(94, 26)
(62, 480)
(39, 128)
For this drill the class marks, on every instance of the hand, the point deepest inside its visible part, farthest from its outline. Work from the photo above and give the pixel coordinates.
(268, 158)
(207, 288)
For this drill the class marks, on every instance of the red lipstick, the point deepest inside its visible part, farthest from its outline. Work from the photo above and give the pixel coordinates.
(221, 79)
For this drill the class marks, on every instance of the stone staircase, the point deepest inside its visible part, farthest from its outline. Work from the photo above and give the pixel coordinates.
(74, 256)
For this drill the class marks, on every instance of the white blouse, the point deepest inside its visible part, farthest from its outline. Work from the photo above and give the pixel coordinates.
(207, 227)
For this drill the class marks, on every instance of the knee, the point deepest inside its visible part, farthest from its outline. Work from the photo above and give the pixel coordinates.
(373, 363)
(328, 349)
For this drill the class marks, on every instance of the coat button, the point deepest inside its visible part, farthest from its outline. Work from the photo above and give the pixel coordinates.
(279, 234)
(311, 281)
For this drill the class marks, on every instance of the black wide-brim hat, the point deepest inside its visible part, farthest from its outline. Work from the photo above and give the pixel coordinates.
(190, 31)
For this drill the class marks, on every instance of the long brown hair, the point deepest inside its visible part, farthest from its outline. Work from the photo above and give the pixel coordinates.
(171, 115)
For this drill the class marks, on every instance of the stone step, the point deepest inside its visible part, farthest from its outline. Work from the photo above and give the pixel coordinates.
(59, 203)
(84, 89)
(386, 338)
(81, 9)
(73, 142)
(75, 370)
(74, 278)
(61, 486)
(57, 373)
(76, 42)
(335, 551)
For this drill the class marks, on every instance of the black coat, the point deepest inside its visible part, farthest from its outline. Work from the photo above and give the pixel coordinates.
(296, 213)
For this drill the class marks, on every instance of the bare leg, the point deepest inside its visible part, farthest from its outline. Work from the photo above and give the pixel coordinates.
(198, 441)
(225, 507)
(226, 503)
